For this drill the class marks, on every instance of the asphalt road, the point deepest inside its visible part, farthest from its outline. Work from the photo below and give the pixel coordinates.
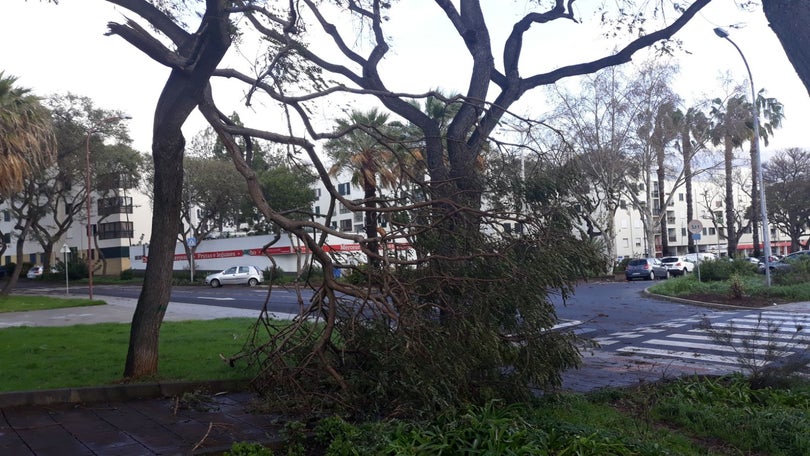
(605, 307)
(596, 309)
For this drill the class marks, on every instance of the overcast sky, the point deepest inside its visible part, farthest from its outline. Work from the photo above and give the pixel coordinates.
(56, 49)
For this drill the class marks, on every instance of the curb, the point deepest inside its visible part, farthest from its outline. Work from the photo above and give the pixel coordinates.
(122, 392)
(711, 305)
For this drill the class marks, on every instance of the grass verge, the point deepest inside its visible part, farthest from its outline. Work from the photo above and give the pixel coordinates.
(690, 416)
(92, 355)
(29, 303)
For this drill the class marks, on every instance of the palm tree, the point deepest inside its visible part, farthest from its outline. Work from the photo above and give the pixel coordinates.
(693, 128)
(731, 127)
(772, 111)
(27, 141)
(363, 147)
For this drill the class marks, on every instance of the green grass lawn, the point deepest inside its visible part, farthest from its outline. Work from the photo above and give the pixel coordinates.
(88, 355)
(28, 303)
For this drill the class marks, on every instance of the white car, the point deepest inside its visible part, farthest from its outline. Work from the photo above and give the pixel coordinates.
(35, 272)
(236, 275)
(678, 265)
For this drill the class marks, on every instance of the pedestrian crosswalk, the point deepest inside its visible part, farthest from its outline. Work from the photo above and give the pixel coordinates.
(742, 340)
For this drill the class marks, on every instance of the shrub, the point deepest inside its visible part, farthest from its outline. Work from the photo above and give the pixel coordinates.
(273, 274)
(621, 266)
(736, 286)
(722, 269)
(248, 449)
(799, 272)
(127, 274)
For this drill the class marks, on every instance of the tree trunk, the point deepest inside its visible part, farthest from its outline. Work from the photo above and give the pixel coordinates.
(662, 203)
(789, 19)
(370, 194)
(687, 150)
(15, 275)
(183, 91)
(755, 199)
(731, 244)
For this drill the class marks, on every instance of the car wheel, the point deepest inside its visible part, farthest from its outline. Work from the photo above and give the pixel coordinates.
(215, 283)
(253, 282)
(652, 276)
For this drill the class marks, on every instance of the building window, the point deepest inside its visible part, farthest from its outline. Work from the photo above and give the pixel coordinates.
(115, 230)
(670, 216)
(6, 216)
(344, 189)
(358, 216)
(7, 238)
(683, 231)
(342, 209)
(333, 225)
(317, 210)
(712, 231)
(317, 193)
(112, 181)
(623, 204)
(358, 228)
(115, 205)
(638, 242)
(718, 203)
(680, 196)
(626, 243)
(671, 235)
(346, 225)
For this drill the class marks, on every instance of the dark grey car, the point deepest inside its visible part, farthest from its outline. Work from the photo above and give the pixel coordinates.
(646, 269)
(785, 263)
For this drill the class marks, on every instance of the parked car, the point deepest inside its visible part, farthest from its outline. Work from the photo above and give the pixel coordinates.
(678, 265)
(702, 256)
(236, 275)
(786, 262)
(35, 272)
(645, 269)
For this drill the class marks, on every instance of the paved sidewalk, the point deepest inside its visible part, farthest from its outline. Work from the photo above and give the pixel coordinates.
(157, 419)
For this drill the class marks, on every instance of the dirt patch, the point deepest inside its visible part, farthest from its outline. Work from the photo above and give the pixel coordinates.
(745, 301)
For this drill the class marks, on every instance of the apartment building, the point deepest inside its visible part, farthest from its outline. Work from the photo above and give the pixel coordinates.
(708, 207)
(120, 217)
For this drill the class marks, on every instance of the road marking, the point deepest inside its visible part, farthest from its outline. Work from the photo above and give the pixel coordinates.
(680, 354)
(216, 299)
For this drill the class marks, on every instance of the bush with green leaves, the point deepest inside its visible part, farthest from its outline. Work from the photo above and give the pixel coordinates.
(798, 272)
(722, 269)
(248, 449)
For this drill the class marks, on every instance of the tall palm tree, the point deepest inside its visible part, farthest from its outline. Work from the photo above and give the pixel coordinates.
(27, 141)
(363, 148)
(772, 112)
(693, 128)
(730, 127)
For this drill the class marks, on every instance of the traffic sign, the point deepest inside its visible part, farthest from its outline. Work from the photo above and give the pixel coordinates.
(695, 226)
(191, 242)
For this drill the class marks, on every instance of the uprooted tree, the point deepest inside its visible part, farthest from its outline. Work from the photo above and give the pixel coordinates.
(456, 306)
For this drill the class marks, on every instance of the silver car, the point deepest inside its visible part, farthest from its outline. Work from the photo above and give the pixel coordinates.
(646, 269)
(236, 275)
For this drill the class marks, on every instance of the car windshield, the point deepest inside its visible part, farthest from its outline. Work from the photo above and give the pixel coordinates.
(637, 262)
(670, 260)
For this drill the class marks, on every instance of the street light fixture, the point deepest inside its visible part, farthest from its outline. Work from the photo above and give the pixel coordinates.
(94, 129)
(766, 233)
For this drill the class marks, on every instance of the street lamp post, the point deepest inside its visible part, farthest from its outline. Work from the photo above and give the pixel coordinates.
(766, 234)
(87, 187)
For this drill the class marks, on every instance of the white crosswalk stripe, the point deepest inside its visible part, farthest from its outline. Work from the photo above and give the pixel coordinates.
(735, 339)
